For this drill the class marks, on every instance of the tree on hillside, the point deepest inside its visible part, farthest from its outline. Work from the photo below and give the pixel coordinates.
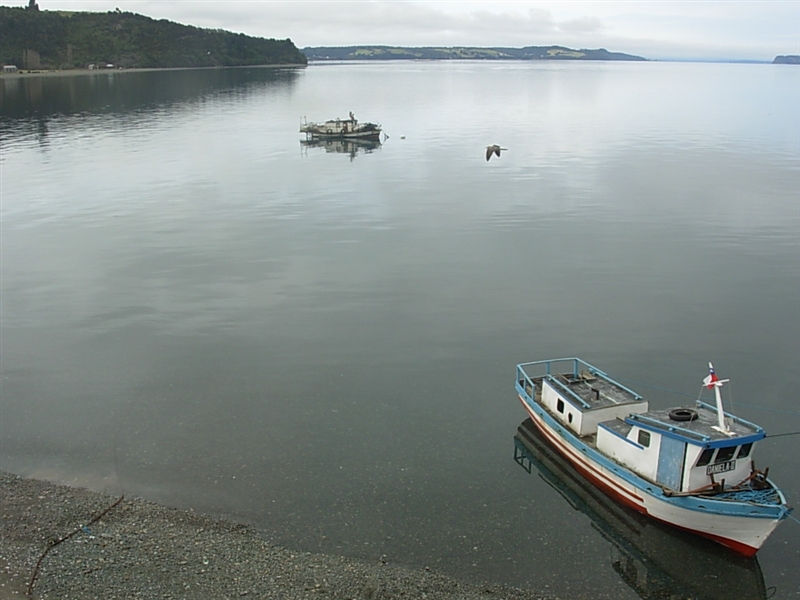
(32, 5)
(70, 40)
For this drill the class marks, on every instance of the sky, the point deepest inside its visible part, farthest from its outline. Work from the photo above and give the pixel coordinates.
(676, 30)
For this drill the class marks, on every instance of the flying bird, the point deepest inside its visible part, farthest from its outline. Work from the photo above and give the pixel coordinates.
(493, 149)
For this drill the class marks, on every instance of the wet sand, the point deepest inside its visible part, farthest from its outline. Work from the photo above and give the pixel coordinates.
(138, 549)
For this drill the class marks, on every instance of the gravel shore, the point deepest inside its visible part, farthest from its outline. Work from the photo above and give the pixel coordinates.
(138, 549)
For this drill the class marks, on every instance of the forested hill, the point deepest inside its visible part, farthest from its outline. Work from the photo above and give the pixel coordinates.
(462, 52)
(43, 39)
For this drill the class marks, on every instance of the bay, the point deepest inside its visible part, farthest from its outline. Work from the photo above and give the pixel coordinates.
(202, 310)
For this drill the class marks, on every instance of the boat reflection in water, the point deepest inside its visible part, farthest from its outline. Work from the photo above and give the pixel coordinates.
(655, 560)
(342, 145)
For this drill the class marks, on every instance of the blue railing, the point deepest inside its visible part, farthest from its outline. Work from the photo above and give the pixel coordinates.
(548, 366)
(576, 364)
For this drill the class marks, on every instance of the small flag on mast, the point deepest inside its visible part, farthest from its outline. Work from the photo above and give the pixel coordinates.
(711, 380)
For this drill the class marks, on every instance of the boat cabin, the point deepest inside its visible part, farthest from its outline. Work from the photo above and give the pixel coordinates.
(682, 449)
(582, 401)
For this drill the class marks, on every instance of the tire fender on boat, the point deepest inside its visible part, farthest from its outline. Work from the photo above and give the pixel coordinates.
(683, 414)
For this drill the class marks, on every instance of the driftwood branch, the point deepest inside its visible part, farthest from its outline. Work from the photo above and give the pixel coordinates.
(63, 539)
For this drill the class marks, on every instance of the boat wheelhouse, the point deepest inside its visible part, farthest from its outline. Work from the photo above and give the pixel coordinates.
(691, 467)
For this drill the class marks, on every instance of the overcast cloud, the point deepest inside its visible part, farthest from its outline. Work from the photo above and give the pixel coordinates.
(680, 30)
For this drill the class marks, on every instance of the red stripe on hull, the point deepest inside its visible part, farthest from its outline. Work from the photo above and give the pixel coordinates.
(608, 488)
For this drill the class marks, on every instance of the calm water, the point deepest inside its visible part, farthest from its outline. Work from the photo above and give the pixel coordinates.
(201, 310)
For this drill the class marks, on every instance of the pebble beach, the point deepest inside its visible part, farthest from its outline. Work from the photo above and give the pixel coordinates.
(62, 542)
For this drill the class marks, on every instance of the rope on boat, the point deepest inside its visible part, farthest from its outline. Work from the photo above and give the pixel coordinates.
(775, 410)
(783, 434)
(752, 496)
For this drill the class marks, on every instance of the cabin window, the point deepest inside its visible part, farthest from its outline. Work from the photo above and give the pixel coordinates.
(725, 453)
(644, 438)
(560, 405)
(569, 417)
(705, 457)
(744, 450)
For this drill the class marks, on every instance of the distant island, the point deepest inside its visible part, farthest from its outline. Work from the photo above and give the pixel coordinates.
(788, 59)
(322, 53)
(36, 39)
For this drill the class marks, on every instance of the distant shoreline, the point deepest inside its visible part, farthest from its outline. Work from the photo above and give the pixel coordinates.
(63, 72)
(318, 62)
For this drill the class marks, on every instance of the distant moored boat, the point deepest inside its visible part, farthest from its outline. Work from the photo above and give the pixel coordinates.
(342, 128)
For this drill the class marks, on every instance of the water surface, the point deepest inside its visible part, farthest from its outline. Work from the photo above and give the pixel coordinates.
(201, 310)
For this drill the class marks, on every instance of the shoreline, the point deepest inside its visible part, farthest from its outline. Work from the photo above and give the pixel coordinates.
(66, 72)
(138, 549)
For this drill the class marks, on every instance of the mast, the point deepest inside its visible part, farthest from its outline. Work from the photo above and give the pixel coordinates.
(712, 381)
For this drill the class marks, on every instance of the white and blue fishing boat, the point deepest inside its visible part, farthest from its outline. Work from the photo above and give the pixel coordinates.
(690, 467)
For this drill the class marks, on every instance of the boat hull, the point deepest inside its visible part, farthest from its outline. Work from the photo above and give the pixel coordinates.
(357, 135)
(738, 526)
(648, 555)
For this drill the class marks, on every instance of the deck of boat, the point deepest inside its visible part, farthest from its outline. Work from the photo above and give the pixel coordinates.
(703, 427)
